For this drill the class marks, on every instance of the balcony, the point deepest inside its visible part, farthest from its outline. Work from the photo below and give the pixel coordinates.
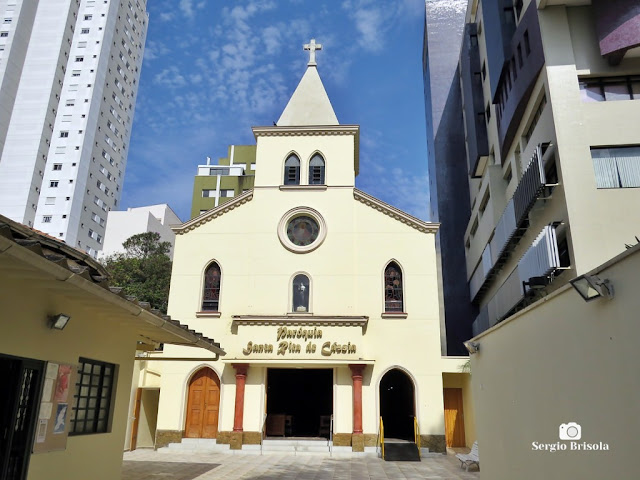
(541, 261)
(514, 221)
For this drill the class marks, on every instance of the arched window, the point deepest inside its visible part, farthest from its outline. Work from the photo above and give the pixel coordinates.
(393, 288)
(316, 170)
(292, 171)
(211, 296)
(300, 293)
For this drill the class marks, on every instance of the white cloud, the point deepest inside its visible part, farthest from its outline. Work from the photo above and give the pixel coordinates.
(373, 19)
(166, 16)
(188, 7)
(170, 77)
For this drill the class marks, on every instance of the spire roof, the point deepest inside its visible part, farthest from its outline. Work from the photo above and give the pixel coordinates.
(309, 104)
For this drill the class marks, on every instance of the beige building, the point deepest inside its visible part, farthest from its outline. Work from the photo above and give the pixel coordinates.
(549, 96)
(67, 349)
(563, 361)
(325, 299)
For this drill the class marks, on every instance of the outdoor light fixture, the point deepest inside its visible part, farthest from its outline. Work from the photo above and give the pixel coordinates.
(472, 347)
(59, 321)
(591, 287)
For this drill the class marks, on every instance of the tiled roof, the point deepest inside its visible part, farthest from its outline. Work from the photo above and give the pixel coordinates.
(83, 265)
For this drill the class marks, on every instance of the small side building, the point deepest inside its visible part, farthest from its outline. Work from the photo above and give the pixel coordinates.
(556, 387)
(124, 224)
(66, 389)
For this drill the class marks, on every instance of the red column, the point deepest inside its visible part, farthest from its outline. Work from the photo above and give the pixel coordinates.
(356, 376)
(241, 378)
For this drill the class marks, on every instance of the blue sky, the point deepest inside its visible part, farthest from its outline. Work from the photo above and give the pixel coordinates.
(213, 69)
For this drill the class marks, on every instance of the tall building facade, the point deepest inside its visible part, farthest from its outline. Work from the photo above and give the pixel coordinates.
(544, 109)
(217, 184)
(69, 74)
(444, 23)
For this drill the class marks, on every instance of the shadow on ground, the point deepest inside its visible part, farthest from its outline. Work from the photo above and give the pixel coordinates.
(141, 470)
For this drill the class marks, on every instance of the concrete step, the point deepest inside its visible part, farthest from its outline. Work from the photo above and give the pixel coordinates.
(296, 441)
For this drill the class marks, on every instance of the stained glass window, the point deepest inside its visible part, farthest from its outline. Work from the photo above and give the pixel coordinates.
(211, 295)
(393, 288)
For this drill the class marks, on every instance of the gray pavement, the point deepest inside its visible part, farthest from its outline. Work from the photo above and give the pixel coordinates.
(146, 464)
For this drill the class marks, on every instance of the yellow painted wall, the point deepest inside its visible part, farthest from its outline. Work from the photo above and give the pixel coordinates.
(562, 360)
(90, 333)
(347, 279)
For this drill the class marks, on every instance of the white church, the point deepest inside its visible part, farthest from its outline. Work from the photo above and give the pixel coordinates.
(325, 300)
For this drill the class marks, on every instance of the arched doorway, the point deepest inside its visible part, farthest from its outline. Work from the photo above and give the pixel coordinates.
(203, 405)
(397, 405)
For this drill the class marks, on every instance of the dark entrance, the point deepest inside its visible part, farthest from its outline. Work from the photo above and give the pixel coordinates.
(299, 402)
(21, 380)
(397, 406)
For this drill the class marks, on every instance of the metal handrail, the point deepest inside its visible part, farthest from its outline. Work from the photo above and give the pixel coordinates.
(264, 425)
(416, 434)
(331, 437)
(381, 438)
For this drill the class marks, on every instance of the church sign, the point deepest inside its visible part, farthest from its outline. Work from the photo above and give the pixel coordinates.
(298, 341)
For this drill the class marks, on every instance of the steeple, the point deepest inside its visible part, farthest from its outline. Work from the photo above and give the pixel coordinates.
(309, 104)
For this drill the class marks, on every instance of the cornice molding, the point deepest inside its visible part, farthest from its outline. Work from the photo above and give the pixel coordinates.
(213, 213)
(395, 213)
(295, 320)
(305, 130)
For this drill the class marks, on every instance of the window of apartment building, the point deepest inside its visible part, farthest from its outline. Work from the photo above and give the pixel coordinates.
(70, 103)
(84, 31)
(226, 193)
(57, 166)
(46, 219)
(64, 134)
(53, 183)
(616, 167)
(208, 193)
(534, 120)
(487, 112)
(520, 60)
(485, 201)
(508, 175)
(219, 171)
(527, 44)
(609, 89)
(92, 407)
(79, 59)
(4, 34)
(75, 73)
(88, 17)
(484, 70)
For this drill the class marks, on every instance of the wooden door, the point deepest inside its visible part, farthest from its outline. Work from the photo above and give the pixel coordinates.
(136, 420)
(203, 405)
(454, 417)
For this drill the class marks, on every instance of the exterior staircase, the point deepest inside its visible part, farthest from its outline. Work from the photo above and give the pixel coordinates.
(296, 446)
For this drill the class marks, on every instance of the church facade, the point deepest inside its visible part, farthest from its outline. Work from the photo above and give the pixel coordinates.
(324, 298)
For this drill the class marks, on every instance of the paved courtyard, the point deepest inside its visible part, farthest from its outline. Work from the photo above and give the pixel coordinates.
(152, 465)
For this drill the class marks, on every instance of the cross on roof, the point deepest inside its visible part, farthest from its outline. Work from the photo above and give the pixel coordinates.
(312, 47)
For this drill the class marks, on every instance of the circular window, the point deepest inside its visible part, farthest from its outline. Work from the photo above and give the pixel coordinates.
(302, 230)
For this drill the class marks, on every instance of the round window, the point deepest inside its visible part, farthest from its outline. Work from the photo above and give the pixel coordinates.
(302, 230)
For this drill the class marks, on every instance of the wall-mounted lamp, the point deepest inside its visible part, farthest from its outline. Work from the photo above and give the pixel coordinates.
(59, 321)
(591, 287)
(472, 347)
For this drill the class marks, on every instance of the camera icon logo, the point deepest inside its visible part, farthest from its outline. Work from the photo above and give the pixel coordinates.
(570, 431)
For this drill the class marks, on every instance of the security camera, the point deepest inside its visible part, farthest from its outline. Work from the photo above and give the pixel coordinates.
(472, 347)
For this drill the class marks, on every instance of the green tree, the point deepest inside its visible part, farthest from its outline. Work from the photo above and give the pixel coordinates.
(143, 270)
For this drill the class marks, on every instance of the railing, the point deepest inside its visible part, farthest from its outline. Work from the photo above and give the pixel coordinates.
(416, 434)
(513, 222)
(331, 437)
(381, 438)
(262, 431)
(542, 259)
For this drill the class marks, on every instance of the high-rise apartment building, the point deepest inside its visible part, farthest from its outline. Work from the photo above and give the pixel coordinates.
(217, 184)
(69, 73)
(444, 23)
(544, 108)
